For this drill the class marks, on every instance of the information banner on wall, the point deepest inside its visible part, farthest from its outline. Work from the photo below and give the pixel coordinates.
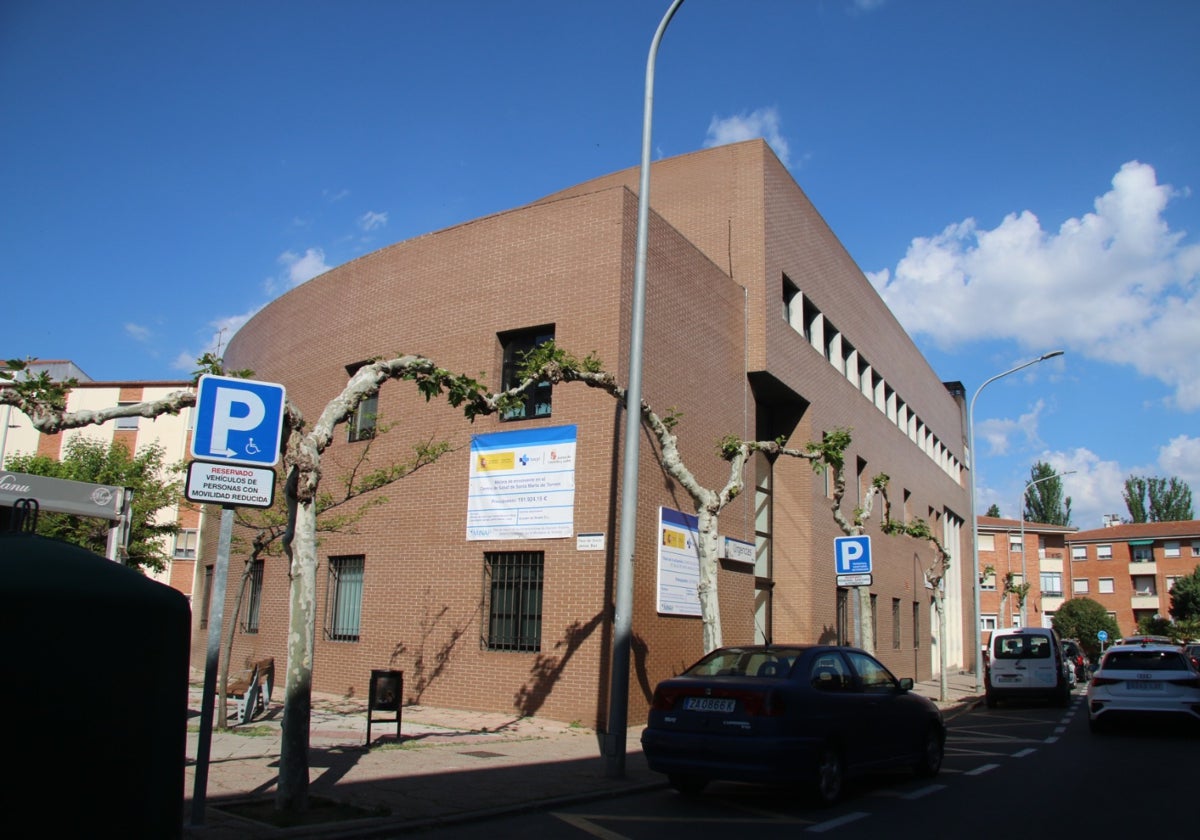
(678, 563)
(522, 485)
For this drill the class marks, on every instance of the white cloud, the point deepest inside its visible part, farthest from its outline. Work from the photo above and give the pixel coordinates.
(763, 122)
(992, 437)
(300, 268)
(1115, 285)
(1181, 458)
(137, 332)
(372, 221)
(1094, 487)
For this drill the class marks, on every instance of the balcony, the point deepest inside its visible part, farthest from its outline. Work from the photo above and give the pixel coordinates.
(1141, 601)
(1143, 567)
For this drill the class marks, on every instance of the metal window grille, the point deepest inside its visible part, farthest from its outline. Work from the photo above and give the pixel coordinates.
(896, 623)
(513, 594)
(343, 598)
(207, 596)
(254, 601)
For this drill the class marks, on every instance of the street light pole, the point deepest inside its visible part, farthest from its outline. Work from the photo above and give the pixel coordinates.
(1021, 513)
(618, 699)
(975, 583)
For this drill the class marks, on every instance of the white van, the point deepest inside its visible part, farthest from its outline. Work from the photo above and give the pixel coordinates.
(1026, 663)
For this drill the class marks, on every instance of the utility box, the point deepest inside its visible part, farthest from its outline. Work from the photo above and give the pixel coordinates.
(95, 700)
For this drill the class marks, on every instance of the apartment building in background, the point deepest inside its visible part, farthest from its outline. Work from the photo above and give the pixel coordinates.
(1130, 568)
(1026, 551)
(171, 432)
(488, 576)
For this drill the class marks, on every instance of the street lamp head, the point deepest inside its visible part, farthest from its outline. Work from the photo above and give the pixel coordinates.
(1051, 355)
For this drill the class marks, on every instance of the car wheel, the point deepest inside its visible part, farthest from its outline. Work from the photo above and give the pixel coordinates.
(933, 749)
(687, 784)
(831, 775)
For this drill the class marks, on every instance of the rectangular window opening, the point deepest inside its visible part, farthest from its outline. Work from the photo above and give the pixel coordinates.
(343, 598)
(253, 597)
(513, 600)
(516, 345)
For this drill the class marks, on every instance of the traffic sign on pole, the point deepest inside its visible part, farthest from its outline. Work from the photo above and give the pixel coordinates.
(238, 421)
(852, 555)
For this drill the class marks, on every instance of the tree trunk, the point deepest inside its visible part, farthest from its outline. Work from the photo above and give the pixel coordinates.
(292, 795)
(939, 604)
(866, 622)
(710, 604)
(223, 675)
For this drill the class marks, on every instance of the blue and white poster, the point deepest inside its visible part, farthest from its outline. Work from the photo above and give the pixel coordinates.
(522, 485)
(678, 563)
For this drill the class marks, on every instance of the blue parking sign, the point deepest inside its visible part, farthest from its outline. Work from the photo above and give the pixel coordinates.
(852, 555)
(238, 421)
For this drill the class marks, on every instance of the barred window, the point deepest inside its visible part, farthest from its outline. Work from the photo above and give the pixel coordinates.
(343, 598)
(206, 596)
(254, 601)
(895, 623)
(512, 591)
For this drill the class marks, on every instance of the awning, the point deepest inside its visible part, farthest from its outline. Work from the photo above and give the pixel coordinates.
(1141, 542)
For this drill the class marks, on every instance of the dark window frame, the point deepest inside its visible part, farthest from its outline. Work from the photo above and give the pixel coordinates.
(514, 345)
(513, 587)
(254, 597)
(343, 598)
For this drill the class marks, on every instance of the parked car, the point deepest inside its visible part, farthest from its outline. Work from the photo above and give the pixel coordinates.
(809, 714)
(1077, 659)
(1026, 663)
(1192, 649)
(1145, 681)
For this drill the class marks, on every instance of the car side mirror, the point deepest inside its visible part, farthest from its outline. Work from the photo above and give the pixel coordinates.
(906, 683)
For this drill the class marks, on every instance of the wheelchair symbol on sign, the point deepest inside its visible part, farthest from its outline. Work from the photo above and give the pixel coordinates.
(252, 448)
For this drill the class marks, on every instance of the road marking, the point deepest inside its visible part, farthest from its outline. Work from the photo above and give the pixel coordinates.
(1023, 753)
(979, 771)
(588, 827)
(835, 823)
(925, 791)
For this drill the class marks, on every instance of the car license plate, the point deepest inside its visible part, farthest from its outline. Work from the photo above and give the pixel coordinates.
(1143, 685)
(709, 704)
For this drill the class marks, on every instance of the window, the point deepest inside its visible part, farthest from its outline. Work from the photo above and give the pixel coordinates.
(1196, 549)
(343, 598)
(1052, 584)
(1171, 549)
(895, 623)
(1171, 581)
(1014, 543)
(126, 423)
(1105, 586)
(185, 544)
(513, 593)
(987, 542)
(1080, 586)
(988, 581)
(916, 625)
(254, 601)
(875, 618)
(362, 422)
(1079, 552)
(206, 597)
(1145, 585)
(1104, 552)
(1143, 553)
(987, 622)
(516, 346)
(1016, 619)
(791, 299)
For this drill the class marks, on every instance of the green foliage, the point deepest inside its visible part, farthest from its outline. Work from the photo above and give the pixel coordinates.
(1082, 619)
(1157, 499)
(1155, 625)
(1185, 597)
(1044, 500)
(1011, 587)
(831, 451)
(213, 364)
(36, 389)
(993, 511)
(155, 486)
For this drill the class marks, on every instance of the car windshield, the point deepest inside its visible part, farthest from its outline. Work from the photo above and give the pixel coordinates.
(742, 662)
(1023, 647)
(1144, 660)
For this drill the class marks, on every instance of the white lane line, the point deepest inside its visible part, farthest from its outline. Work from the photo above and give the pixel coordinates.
(1023, 753)
(835, 823)
(981, 769)
(923, 792)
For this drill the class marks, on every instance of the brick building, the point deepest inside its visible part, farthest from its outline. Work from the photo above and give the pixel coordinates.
(758, 324)
(1029, 551)
(1130, 569)
(172, 433)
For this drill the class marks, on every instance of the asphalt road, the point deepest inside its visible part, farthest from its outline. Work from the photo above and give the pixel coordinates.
(1010, 772)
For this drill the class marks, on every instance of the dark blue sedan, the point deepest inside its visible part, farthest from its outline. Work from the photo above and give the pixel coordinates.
(812, 715)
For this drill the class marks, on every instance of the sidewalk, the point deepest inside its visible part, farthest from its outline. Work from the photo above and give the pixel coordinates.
(447, 766)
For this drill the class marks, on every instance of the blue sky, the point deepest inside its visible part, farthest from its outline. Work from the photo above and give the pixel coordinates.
(1014, 177)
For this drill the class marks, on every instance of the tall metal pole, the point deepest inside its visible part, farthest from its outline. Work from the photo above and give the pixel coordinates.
(975, 582)
(618, 701)
(1021, 513)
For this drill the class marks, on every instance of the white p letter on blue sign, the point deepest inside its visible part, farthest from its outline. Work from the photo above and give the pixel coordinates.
(852, 555)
